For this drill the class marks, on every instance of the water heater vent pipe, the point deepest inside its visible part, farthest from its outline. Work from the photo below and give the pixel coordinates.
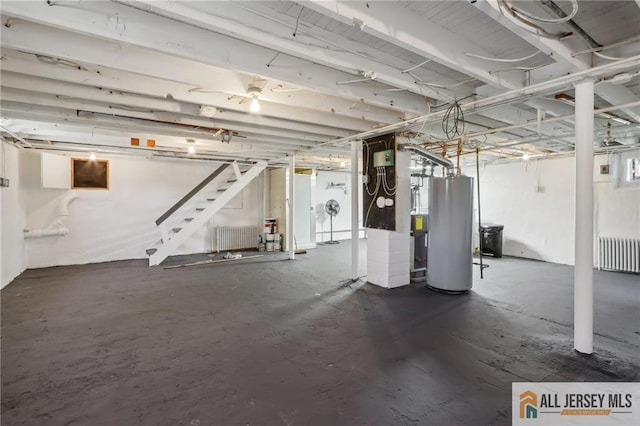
(430, 156)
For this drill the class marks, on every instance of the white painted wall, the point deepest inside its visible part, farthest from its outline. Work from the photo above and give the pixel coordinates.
(304, 213)
(12, 216)
(324, 192)
(617, 211)
(535, 202)
(118, 223)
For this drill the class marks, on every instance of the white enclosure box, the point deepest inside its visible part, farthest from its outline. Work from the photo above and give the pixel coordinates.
(55, 171)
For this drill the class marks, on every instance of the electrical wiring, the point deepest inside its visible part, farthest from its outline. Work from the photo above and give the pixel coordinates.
(459, 100)
(453, 121)
(373, 198)
(609, 46)
(445, 86)
(295, 30)
(385, 185)
(487, 58)
(503, 4)
(574, 11)
(366, 171)
(416, 66)
(609, 58)
(516, 69)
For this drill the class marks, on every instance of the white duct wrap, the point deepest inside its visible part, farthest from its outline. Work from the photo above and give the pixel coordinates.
(57, 227)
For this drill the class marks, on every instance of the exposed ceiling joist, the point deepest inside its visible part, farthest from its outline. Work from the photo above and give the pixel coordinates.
(415, 33)
(321, 55)
(561, 52)
(128, 25)
(175, 70)
(69, 90)
(156, 73)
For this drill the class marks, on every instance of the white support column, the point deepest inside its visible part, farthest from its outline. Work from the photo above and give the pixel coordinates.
(583, 269)
(292, 190)
(355, 232)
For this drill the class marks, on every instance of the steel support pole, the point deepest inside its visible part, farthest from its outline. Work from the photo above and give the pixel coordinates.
(291, 226)
(355, 233)
(583, 269)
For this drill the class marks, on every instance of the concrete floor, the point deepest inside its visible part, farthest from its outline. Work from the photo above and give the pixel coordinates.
(275, 342)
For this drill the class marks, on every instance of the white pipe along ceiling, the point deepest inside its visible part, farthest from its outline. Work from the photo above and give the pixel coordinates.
(266, 80)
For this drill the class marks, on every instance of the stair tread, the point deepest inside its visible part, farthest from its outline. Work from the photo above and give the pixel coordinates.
(176, 237)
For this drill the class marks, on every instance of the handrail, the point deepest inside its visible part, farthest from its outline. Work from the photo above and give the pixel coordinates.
(191, 193)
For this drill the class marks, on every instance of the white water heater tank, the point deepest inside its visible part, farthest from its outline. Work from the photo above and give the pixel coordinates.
(450, 238)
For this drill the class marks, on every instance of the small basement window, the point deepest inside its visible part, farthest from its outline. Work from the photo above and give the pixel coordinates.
(89, 174)
(632, 170)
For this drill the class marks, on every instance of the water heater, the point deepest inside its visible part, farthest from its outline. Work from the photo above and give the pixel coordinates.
(450, 237)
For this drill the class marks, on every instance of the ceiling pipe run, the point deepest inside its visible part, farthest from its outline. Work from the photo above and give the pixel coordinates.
(512, 95)
(430, 156)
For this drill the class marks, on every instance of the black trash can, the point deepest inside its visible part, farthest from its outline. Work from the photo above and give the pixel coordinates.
(491, 239)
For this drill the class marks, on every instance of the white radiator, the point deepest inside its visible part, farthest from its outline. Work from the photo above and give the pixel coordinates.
(235, 237)
(619, 254)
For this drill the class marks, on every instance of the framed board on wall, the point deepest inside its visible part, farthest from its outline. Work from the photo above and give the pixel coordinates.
(380, 183)
(89, 174)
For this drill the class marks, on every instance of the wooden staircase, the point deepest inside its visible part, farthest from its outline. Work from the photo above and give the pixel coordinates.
(187, 220)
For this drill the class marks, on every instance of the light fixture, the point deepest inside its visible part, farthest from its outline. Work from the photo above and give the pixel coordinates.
(620, 120)
(225, 137)
(343, 164)
(255, 105)
(525, 157)
(191, 146)
(622, 78)
(208, 111)
(92, 156)
(254, 92)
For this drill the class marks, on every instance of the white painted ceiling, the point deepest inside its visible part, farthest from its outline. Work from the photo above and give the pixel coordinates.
(91, 75)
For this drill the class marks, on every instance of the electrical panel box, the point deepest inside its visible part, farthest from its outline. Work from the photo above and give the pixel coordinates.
(383, 158)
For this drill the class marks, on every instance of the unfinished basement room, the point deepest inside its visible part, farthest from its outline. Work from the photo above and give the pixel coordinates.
(320, 212)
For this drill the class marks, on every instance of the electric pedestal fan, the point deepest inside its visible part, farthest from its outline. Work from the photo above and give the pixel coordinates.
(332, 207)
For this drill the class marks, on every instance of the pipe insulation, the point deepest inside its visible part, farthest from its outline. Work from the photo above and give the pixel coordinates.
(57, 228)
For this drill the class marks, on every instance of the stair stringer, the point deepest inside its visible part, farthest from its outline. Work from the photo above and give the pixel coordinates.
(201, 218)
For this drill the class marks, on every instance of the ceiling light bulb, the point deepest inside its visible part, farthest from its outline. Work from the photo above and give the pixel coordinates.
(343, 164)
(191, 149)
(92, 156)
(255, 105)
(525, 157)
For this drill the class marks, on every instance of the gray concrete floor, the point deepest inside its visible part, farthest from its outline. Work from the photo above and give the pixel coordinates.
(273, 342)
